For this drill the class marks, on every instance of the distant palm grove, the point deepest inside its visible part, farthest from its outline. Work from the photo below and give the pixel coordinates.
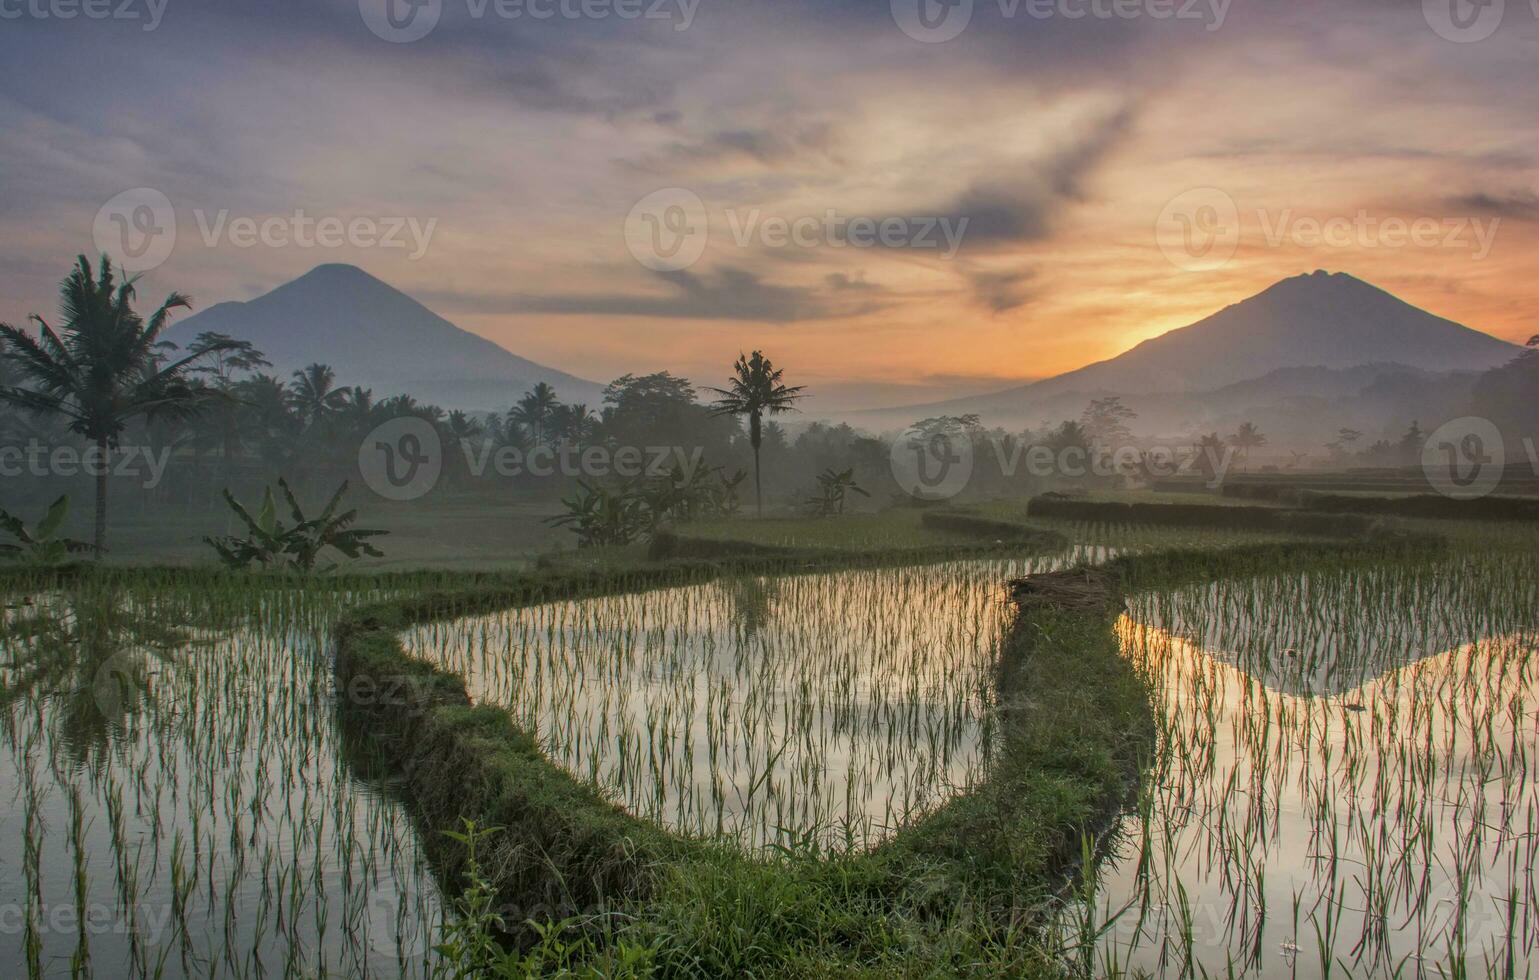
(101, 375)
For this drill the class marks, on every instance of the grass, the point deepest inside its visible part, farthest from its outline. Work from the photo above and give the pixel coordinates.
(443, 531)
(1342, 784)
(952, 892)
(962, 888)
(899, 528)
(1170, 497)
(970, 885)
(184, 803)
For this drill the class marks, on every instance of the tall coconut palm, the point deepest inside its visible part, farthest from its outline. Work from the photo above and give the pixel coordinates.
(1246, 438)
(102, 369)
(535, 411)
(756, 390)
(315, 393)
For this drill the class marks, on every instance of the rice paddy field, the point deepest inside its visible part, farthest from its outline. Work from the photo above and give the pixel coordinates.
(768, 710)
(179, 801)
(1338, 783)
(1343, 784)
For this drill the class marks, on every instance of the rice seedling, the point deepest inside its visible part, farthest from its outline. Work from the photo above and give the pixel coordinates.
(775, 711)
(184, 804)
(1341, 785)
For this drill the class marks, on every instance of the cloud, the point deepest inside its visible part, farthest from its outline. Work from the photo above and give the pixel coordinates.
(726, 294)
(1519, 205)
(1022, 206)
(1002, 291)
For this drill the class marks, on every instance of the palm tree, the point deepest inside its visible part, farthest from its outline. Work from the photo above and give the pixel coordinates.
(534, 411)
(102, 369)
(358, 406)
(574, 423)
(315, 394)
(756, 391)
(267, 422)
(463, 425)
(1248, 437)
(1209, 451)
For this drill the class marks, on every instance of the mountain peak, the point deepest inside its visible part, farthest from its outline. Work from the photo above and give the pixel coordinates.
(334, 274)
(336, 270)
(377, 336)
(1320, 281)
(1316, 320)
(1320, 318)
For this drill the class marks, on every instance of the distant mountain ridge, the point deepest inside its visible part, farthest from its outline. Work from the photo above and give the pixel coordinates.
(376, 336)
(1313, 324)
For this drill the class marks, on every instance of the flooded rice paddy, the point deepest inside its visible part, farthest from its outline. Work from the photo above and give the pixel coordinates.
(826, 708)
(1344, 782)
(1341, 784)
(177, 801)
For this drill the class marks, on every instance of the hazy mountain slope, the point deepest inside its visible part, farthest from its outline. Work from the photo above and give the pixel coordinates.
(379, 337)
(1318, 320)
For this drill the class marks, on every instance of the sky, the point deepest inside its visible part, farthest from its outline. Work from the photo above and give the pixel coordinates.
(897, 202)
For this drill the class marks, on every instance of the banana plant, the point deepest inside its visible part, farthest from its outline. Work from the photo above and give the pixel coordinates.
(40, 545)
(834, 488)
(600, 516)
(270, 543)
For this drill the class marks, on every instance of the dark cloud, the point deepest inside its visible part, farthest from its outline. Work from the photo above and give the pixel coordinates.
(1520, 205)
(840, 282)
(1001, 291)
(725, 294)
(1020, 206)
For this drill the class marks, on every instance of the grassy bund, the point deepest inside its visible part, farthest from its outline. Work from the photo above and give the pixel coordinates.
(962, 890)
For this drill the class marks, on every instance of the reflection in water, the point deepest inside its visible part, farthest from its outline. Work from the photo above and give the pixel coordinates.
(1342, 786)
(820, 708)
(177, 800)
(751, 598)
(94, 655)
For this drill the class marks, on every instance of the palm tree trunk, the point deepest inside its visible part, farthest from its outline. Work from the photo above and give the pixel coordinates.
(100, 539)
(758, 490)
(755, 438)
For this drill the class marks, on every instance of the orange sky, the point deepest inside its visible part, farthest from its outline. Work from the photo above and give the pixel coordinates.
(1289, 135)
